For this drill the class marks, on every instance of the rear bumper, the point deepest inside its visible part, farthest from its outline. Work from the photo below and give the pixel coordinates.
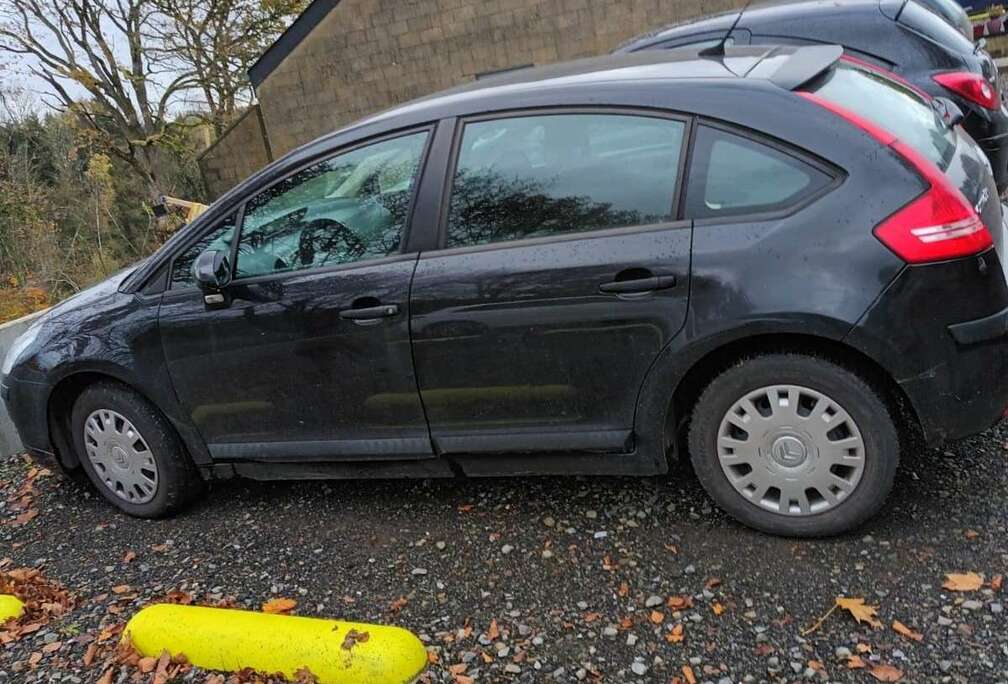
(941, 330)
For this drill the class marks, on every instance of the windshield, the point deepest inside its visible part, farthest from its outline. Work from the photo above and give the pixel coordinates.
(892, 106)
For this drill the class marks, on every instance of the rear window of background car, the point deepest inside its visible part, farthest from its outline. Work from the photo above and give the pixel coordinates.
(534, 176)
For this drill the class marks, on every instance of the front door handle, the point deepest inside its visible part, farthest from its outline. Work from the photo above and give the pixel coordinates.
(638, 285)
(370, 313)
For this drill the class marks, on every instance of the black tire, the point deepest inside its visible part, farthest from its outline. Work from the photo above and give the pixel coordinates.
(860, 400)
(178, 480)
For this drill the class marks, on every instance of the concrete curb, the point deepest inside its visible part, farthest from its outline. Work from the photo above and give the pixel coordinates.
(10, 607)
(336, 652)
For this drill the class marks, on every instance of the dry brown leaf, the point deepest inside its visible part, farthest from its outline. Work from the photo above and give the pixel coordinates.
(147, 665)
(624, 589)
(52, 647)
(855, 662)
(494, 631)
(34, 659)
(717, 608)
(676, 635)
(679, 602)
(861, 612)
(903, 630)
(128, 558)
(121, 589)
(107, 677)
(26, 517)
(886, 673)
(279, 606)
(89, 654)
(996, 582)
(968, 581)
(972, 534)
(687, 672)
(657, 617)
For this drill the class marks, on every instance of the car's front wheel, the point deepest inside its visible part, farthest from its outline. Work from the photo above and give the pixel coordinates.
(794, 445)
(131, 453)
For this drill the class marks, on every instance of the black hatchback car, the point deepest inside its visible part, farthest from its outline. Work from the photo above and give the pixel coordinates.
(572, 269)
(901, 36)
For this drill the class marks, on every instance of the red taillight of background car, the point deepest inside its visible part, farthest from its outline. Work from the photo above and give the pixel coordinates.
(973, 87)
(937, 225)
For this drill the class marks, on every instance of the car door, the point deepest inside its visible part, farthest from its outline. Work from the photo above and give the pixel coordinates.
(561, 275)
(308, 358)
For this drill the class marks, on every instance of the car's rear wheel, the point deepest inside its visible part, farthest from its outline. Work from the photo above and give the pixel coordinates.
(794, 445)
(131, 453)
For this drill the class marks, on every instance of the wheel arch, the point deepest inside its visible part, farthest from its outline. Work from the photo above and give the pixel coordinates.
(69, 387)
(689, 376)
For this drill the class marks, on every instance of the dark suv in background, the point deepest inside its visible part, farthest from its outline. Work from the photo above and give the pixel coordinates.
(900, 36)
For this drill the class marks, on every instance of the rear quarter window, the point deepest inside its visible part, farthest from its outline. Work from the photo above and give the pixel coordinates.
(734, 175)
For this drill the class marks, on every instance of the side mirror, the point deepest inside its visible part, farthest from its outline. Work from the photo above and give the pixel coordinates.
(948, 110)
(213, 274)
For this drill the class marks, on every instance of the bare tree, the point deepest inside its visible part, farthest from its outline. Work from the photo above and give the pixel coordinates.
(216, 41)
(101, 47)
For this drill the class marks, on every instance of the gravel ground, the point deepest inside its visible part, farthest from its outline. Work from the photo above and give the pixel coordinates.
(594, 579)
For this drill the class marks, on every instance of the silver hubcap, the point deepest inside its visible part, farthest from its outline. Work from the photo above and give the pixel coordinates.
(120, 456)
(791, 450)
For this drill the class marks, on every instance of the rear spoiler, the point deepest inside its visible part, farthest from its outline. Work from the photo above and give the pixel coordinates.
(803, 65)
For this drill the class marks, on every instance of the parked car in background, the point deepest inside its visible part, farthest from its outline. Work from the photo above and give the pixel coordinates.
(900, 36)
(560, 270)
(953, 13)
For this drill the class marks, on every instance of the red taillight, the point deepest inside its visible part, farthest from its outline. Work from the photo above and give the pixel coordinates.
(973, 87)
(939, 224)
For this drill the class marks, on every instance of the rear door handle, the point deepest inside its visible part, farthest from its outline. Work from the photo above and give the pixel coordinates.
(649, 284)
(370, 313)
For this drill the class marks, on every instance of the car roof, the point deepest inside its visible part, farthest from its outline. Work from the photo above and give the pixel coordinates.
(780, 65)
(759, 13)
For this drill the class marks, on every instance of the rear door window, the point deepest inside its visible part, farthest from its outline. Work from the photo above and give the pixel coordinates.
(733, 175)
(536, 176)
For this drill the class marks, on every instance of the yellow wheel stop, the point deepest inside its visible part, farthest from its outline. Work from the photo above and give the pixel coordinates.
(10, 607)
(335, 651)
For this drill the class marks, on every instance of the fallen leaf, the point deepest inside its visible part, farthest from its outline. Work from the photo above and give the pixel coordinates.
(972, 534)
(679, 602)
(26, 517)
(465, 508)
(657, 617)
(128, 558)
(969, 581)
(903, 630)
(353, 638)
(34, 659)
(398, 604)
(279, 606)
(121, 589)
(861, 612)
(886, 673)
(147, 665)
(624, 589)
(855, 662)
(711, 583)
(494, 631)
(89, 654)
(433, 658)
(687, 672)
(996, 582)
(52, 647)
(107, 677)
(676, 635)
(717, 608)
